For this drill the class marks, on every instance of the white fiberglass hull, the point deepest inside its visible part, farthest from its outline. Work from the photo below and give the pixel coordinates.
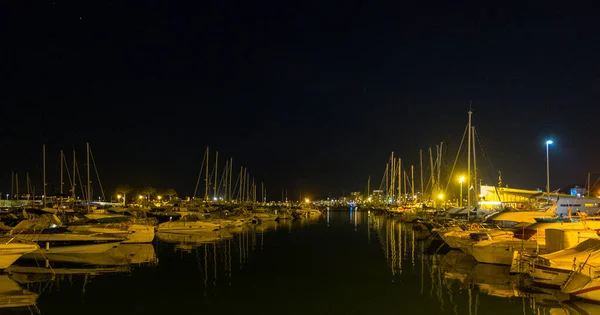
(501, 252)
(549, 277)
(70, 243)
(9, 253)
(582, 285)
(80, 249)
(135, 233)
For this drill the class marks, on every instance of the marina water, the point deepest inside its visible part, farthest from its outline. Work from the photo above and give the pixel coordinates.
(345, 262)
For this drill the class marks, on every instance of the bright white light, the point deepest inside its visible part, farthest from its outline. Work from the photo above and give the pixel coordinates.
(549, 142)
(215, 198)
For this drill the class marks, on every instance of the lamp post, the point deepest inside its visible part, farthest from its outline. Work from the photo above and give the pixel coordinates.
(461, 180)
(548, 143)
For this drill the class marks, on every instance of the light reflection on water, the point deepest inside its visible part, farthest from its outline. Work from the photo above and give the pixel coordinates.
(357, 262)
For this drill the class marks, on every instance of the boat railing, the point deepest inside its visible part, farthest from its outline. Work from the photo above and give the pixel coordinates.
(589, 270)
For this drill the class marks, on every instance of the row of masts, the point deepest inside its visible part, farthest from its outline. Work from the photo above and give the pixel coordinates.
(222, 187)
(398, 183)
(73, 177)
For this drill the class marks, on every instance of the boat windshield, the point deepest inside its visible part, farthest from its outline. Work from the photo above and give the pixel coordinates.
(55, 230)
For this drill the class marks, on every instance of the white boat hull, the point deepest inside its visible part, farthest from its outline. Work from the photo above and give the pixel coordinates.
(550, 277)
(9, 253)
(70, 243)
(80, 249)
(134, 233)
(501, 252)
(583, 286)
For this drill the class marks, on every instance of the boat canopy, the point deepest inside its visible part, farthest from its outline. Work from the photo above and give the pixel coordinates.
(578, 253)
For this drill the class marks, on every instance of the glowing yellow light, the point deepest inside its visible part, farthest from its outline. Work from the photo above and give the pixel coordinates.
(369, 198)
(481, 195)
(415, 197)
(307, 200)
(461, 179)
(159, 197)
(119, 196)
(441, 196)
(141, 197)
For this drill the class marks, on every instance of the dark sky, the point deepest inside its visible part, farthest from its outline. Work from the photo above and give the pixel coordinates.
(308, 95)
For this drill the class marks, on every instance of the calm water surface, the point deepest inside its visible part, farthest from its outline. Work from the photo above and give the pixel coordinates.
(343, 263)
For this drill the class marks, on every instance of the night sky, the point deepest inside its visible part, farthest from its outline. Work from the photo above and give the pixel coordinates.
(308, 95)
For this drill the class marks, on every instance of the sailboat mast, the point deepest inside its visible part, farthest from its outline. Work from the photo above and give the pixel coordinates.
(230, 176)
(225, 178)
(216, 175)
(17, 184)
(89, 188)
(469, 170)
(392, 177)
(28, 183)
(431, 172)
(405, 188)
(248, 187)
(206, 180)
(412, 181)
(399, 179)
(245, 184)
(73, 182)
(439, 164)
(421, 168)
(476, 190)
(44, 169)
(387, 180)
(262, 194)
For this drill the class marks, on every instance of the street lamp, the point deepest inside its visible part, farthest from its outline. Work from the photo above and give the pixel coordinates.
(548, 143)
(159, 198)
(461, 180)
